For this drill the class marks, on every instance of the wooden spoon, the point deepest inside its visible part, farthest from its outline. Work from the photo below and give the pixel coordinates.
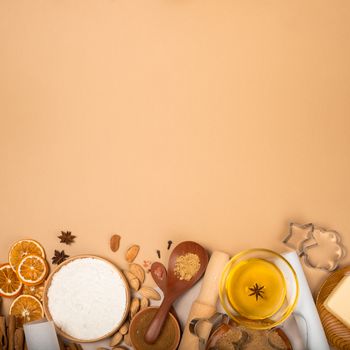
(176, 287)
(159, 275)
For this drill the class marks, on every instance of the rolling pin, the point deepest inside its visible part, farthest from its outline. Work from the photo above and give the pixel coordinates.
(205, 304)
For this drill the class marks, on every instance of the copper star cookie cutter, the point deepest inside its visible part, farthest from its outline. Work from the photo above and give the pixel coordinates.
(319, 247)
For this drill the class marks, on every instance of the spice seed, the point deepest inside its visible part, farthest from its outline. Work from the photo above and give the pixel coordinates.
(158, 253)
(66, 237)
(169, 244)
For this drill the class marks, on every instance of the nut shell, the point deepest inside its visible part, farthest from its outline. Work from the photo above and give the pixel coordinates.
(149, 293)
(131, 253)
(133, 280)
(114, 243)
(138, 271)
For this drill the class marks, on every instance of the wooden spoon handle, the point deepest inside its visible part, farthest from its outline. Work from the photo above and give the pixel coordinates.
(158, 321)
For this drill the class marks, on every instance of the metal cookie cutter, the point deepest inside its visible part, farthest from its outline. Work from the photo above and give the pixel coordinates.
(331, 248)
(196, 323)
(297, 235)
(214, 321)
(319, 247)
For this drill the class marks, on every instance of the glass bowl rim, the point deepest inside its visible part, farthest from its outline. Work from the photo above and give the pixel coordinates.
(290, 308)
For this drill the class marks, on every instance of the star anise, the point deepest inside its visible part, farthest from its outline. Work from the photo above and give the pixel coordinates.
(257, 291)
(59, 257)
(66, 237)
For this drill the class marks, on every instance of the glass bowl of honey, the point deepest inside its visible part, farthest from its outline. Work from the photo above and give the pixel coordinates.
(259, 289)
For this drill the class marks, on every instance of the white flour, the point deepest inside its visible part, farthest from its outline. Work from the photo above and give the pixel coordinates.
(87, 298)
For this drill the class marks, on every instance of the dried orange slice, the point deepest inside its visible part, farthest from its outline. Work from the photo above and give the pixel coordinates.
(21, 249)
(10, 285)
(26, 308)
(32, 270)
(35, 291)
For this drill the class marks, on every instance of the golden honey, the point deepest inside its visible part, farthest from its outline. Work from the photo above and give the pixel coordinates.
(256, 288)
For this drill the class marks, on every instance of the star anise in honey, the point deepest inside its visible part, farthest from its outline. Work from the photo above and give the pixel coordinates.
(257, 291)
(59, 257)
(66, 237)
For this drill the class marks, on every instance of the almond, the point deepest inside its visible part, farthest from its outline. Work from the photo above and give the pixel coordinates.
(124, 328)
(114, 242)
(149, 293)
(138, 271)
(127, 340)
(144, 303)
(131, 253)
(134, 307)
(72, 346)
(133, 280)
(116, 339)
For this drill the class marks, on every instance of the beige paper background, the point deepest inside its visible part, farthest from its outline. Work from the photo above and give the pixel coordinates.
(215, 121)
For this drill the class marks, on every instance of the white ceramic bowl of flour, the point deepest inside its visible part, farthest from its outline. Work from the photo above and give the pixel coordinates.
(87, 297)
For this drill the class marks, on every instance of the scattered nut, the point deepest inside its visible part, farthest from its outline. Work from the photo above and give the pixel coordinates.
(72, 346)
(127, 340)
(131, 253)
(114, 242)
(134, 307)
(144, 303)
(149, 293)
(116, 339)
(138, 271)
(124, 328)
(133, 280)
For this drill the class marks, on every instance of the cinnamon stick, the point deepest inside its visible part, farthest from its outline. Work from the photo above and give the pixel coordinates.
(11, 328)
(3, 335)
(19, 339)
